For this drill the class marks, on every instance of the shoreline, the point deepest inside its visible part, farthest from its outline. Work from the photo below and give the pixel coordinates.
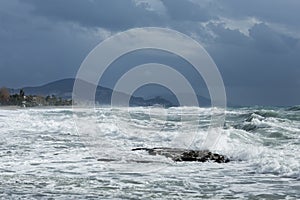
(13, 107)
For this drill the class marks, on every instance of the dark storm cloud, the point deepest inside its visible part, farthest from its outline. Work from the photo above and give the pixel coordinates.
(35, 50)
(268, 40)
(254, 43)
(264, 56)
(43, 41)
(112, 14)
(258, 69)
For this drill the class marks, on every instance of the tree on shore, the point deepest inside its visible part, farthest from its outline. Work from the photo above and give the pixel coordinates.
(22, 93)
(4, 95)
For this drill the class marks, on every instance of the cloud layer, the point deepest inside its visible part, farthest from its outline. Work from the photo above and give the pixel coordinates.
(255, 44)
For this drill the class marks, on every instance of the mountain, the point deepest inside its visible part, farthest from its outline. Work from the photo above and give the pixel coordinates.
(203, 102)
(64, 88)
(61, 88)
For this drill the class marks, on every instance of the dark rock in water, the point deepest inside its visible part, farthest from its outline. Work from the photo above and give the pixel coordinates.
(247, 127)
(180, 155)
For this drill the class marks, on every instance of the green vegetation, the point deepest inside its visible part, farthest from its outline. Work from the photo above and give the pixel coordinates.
(31, 100)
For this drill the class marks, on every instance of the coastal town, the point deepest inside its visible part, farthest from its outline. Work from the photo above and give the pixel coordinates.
(23, 100)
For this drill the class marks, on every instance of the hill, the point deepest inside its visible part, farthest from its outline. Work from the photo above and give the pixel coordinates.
(64, 88)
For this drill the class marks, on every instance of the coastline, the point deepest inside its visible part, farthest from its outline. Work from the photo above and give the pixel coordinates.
(13, 107)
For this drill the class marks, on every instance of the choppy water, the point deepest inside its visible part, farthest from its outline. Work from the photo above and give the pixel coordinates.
(42, 156)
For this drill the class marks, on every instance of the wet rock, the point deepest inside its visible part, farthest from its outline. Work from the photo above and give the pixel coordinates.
(181, 155)
(247, 127)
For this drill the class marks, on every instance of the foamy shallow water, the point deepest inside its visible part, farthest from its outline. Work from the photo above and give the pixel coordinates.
(42, 154)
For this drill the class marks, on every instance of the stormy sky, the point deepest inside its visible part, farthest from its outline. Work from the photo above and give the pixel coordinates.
(255, 44)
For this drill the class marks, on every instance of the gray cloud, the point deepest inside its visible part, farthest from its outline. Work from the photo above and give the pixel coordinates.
(276, 11)
(187, 11)
(228, 36)
(36, 50)
(263, 66)
(269, 40)
(112, 14)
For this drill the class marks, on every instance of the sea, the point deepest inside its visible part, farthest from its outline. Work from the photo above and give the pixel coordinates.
(59, 153)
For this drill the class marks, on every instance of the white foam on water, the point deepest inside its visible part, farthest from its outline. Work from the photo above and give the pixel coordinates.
(43, 146)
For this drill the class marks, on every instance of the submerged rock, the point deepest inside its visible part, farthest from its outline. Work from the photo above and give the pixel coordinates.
(180, 155)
